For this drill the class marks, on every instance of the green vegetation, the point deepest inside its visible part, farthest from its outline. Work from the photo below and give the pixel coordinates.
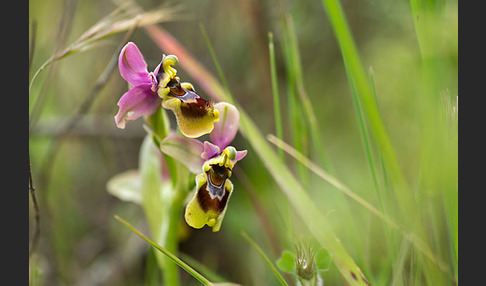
(348, 111)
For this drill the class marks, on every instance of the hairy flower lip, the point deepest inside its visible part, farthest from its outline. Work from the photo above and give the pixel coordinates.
(203, 210)
(195, 116)
(216, 202)
(195, 108)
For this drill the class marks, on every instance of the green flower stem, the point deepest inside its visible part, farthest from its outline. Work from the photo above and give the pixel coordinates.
(170, 201)
(171, 222)
(156, 200)
(168, 254)
(159, 123)
(161, 128)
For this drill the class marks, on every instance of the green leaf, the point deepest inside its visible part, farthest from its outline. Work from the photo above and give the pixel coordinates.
(126, 186)
(323, 259)
(287, 261)
(150, 174)
(158, 204)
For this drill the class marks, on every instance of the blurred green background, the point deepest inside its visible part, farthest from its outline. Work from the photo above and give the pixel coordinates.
(81, 243)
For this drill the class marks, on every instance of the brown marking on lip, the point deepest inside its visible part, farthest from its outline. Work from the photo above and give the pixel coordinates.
(207, 203)
(195, 109)
(192, 105)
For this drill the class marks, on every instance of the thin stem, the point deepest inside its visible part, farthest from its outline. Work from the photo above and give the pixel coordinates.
(302, 93)
(32, 43)
(170, 225)
(36, 231)
(172, 208)
(171, 256)
(171, 222)
(276, 97)
(366, 142)
(295, 117)
(161, 129)
(222, 77)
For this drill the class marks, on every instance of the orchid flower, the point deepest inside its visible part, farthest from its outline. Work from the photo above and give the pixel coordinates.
(149, 90)
(195, 116)
(213, 164)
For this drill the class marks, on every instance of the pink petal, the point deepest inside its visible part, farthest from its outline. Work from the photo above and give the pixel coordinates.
(210, 150)
(138, 101)
(240, 155)
(132, 66)
(225, 129)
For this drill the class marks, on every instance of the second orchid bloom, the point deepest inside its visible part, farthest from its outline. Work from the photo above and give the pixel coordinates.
(213, 163)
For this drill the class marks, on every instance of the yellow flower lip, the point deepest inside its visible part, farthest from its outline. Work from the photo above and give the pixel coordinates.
(195, 116)
(213, 190)
(205, 209)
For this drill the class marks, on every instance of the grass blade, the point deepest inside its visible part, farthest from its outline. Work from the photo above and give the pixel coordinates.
(330, 179)
(416, 241)
(276, 97)
(208, 273)
(297, 125)
(366, 141)
(171, 256)
(267, 260)
(357, 76)
(221, 75)
(308, 113)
